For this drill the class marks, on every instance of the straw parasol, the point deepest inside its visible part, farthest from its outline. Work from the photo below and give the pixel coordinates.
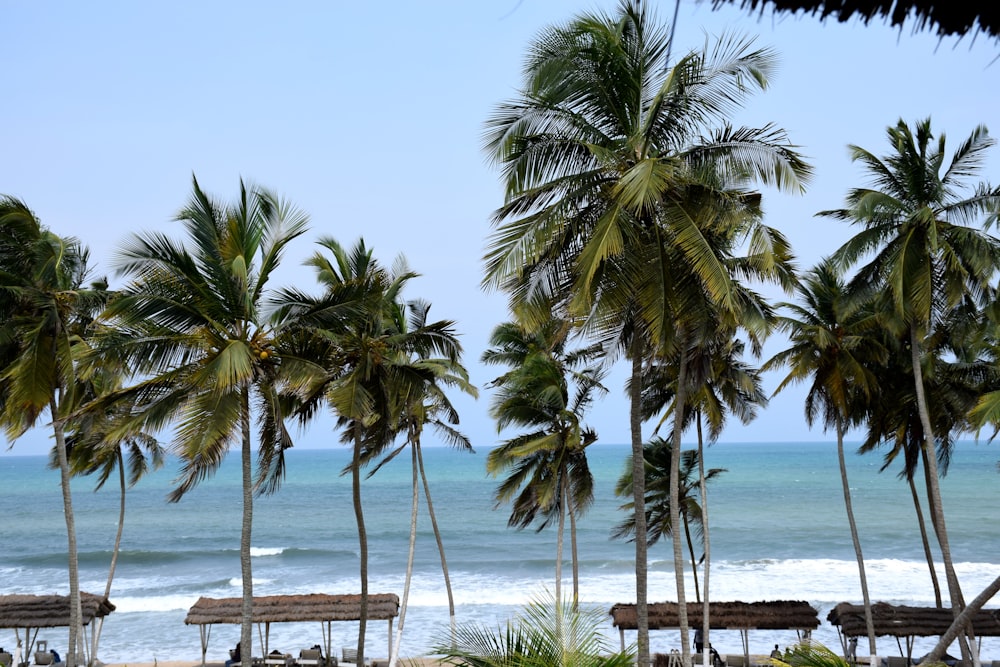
(291, 609)
(907, 622)
(742, 616)
(32, 612)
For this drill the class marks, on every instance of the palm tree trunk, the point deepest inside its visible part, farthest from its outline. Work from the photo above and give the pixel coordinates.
(559, 549)
(869, 623)
(394, 657)
(961, 622)
(75, 612)
(675, 465)
(639, 504)
(934, 489)
(705, 610)
(99, 622)
(925, 540)
(362, 540)
(575, 558)
(692, 556)
(440, 542)
(246, 534)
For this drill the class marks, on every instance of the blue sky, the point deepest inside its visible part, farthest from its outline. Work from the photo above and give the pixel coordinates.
(369, 117)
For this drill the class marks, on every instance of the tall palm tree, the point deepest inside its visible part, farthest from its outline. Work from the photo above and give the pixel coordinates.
(955, 383)
(923, 252)
(609, 161)
(91, 452)
(546, 390)
(834, 346)
(356, 332)
(656, 462)
(47, 311)
(428, 404)
(192, 323)
(720, 383)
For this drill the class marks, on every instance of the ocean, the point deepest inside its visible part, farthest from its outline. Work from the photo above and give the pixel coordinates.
(777, 521)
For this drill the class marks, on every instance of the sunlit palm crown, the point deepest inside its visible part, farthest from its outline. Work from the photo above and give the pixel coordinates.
(192, 322)
(606, 154)
(918, 237)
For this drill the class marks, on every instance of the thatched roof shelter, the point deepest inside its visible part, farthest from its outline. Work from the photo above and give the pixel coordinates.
(907, 622)
(742, 616)
(32, 612)
(291, 609)
(49, 611)
(946, 18)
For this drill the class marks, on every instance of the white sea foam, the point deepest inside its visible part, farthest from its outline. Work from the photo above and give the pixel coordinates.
(237, 582)
(259, 552)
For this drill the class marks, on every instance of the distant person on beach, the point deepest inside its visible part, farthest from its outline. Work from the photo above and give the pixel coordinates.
(776, 653)
(234, 655)
(699, 645)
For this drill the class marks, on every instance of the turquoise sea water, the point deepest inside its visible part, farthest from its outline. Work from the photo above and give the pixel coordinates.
(778, 530)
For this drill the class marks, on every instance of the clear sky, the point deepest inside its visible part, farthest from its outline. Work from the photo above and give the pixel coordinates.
(369, 115)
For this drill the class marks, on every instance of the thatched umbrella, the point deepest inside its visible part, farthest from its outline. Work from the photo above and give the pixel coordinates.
(907, 622)
(33, 612)
(291, 609)
(742, 616)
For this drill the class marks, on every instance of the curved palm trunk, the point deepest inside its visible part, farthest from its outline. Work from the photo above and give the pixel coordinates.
(675, 520)
(437, 537)
(75, 612)
(869, 623)
(99, 622)
(362, 540)
(246, 534)
(925, 541)
(934, 489)
(394, 657)
(961, 621)
(639, 504)
(705, 610)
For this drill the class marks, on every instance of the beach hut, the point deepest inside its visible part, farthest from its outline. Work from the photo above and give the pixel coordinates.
(906, 623)
(315, 607)
(741, 616)
(31, 613)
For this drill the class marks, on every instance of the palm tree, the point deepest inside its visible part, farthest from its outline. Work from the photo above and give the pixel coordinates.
(428, 404)
(90, 452)
(356, 332)
(719, 383)
(656, 462)
(924, 255)
(46, 318)
(191, 322)
(954, 385)
(611, 164)
(546, 390)
(834, 345)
